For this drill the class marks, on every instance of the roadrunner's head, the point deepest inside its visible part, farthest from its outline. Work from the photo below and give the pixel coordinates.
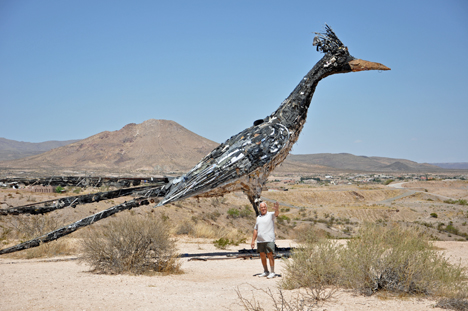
(337, 58)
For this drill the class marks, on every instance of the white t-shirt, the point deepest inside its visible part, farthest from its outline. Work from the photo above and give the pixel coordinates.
(265, 227)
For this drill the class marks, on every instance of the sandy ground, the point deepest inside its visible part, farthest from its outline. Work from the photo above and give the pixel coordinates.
(44, 284)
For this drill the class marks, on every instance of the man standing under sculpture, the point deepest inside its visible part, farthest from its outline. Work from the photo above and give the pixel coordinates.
(264, 233)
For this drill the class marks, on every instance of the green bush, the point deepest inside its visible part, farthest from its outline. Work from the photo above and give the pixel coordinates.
(59, 189)
(130, 244)
(283, 218)
(246, 212)
(433, 215)
(243, 213)
(223, 243)
(459, 202)
(233, 213)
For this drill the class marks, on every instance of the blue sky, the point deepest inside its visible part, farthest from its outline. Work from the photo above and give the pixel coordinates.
(72, 69)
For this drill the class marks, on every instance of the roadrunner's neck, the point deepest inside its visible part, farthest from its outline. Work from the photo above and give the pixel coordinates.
(293, 110)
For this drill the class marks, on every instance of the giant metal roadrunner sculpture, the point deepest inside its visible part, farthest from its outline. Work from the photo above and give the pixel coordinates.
(244, 161)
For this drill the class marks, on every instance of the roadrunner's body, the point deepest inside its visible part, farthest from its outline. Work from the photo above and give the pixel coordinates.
(245, 160)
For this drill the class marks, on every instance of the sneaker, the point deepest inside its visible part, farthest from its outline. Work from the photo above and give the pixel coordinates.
(264, 274)
(271, 275)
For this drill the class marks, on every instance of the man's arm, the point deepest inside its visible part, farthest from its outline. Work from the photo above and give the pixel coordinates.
(276, 208)
(254, 238)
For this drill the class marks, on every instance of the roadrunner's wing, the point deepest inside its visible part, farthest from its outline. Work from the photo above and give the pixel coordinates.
(238, 156)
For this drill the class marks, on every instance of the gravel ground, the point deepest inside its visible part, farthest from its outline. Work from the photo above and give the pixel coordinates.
(45, 284)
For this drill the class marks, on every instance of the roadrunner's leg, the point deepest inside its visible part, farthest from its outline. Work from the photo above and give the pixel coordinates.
(254, 198)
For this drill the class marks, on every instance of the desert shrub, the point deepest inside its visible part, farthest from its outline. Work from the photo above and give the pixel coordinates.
(185, 227)
(397, 260)
(59, 189)
(388, 258)
(451, 229)
(215, 202)
(283, 218)
(315, 267)
(434, 215)
(243, 213)
(130, 244)
(23, 228)
(233, 213)
(246, 212)
(229, 237)
(213, 215)
(223, 243)
(4, 233)
(459, 202)
(458, 304)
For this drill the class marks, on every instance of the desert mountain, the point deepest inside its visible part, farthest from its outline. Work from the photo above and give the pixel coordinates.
(453, 166)
(155, 145)
(346, 161)
(165, 146)
(12, 149)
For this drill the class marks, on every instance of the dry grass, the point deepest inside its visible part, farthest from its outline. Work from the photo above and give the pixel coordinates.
(301, 301)
(314, 197)
(130, 244)
(21, 228)
(209, 231)
(315, 266)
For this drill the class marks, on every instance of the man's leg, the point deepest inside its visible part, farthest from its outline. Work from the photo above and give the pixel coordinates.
(264, 263)
(271, 258)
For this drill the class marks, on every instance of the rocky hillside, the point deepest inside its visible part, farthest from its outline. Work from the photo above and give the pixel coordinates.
(154, 145)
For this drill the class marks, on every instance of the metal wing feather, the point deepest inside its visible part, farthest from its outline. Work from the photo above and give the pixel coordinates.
(238, 156)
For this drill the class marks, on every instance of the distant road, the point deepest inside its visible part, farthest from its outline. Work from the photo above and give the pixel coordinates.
(398, 185)
(409, 192)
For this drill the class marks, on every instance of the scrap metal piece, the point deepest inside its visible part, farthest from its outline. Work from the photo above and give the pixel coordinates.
(84, 181)
(59, 203)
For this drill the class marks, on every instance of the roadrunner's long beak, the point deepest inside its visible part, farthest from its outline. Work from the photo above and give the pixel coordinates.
(361, 65)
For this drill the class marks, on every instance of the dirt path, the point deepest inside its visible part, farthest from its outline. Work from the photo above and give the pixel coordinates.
(410, 192)
(205, 285)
